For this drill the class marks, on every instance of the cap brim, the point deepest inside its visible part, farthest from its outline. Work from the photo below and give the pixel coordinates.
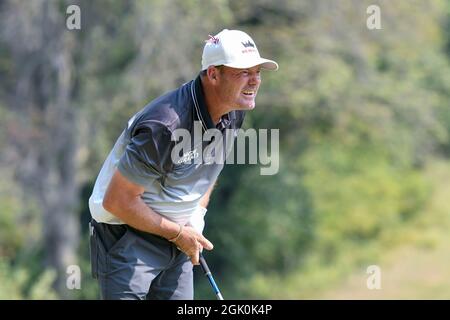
(264, 63)
(269, 64)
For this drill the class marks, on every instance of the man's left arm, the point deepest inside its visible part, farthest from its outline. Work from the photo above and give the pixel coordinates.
(197, 220)
(205, 199)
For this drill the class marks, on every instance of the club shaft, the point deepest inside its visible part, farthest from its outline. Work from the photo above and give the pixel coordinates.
(210, 277)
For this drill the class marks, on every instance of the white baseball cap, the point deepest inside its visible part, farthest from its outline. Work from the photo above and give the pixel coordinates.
(233, 48)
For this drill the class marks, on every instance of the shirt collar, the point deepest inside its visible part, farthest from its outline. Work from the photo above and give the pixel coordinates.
(200, 104)
(202, 111)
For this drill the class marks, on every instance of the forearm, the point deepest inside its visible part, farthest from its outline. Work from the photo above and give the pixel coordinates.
(123, 199)
(137, 214)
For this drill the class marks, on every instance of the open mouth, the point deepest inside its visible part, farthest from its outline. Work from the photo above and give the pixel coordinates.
(249, 93)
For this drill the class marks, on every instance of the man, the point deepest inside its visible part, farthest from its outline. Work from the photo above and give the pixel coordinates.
(149, 201)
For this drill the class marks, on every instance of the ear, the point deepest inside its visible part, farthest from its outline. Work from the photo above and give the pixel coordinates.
(212, 73)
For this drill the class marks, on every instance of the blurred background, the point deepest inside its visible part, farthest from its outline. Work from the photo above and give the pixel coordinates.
(364, 119)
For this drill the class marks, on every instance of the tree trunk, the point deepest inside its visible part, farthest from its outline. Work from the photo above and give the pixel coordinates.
(45, 139)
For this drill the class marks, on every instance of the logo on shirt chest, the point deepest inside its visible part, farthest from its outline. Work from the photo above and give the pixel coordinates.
(214, 146)
(188, 156)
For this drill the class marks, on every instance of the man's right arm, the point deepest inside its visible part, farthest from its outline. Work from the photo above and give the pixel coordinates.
(123, 199)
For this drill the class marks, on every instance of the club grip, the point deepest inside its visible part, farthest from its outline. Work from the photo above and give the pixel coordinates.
(204, 265)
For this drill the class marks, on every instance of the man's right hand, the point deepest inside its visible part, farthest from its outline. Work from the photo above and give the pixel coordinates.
(191, 243)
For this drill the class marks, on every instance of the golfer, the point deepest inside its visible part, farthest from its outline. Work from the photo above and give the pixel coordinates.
(148, 202)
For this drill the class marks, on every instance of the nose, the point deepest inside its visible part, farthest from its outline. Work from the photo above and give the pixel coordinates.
(255, 79)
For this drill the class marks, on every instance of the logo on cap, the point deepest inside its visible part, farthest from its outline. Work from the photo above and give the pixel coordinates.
(212, 39)
(248, 44)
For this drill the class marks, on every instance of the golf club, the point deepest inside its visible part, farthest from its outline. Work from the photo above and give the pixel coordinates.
(210, 277)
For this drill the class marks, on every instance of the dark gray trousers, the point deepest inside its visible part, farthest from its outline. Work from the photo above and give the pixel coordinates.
(131, 264)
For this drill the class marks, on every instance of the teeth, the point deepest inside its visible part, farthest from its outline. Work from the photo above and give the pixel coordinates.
(248, 92)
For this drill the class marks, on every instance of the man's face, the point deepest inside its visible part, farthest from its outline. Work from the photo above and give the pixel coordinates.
(238, 87)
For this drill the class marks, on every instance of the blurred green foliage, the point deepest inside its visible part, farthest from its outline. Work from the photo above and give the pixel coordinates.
(361, 113)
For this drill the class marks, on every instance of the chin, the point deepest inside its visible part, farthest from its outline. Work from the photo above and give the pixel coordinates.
(247, 106)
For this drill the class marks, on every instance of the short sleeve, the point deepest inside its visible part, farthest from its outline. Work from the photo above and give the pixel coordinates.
(148, 155)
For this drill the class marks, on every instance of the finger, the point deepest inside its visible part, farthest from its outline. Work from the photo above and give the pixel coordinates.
(205, 243)
(195, 258)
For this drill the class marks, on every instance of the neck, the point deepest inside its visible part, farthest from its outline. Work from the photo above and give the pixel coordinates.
(215, 109)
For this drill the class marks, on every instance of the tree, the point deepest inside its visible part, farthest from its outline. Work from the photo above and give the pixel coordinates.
(42, 134)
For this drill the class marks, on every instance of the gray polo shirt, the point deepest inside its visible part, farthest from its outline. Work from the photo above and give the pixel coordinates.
(143, 154)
